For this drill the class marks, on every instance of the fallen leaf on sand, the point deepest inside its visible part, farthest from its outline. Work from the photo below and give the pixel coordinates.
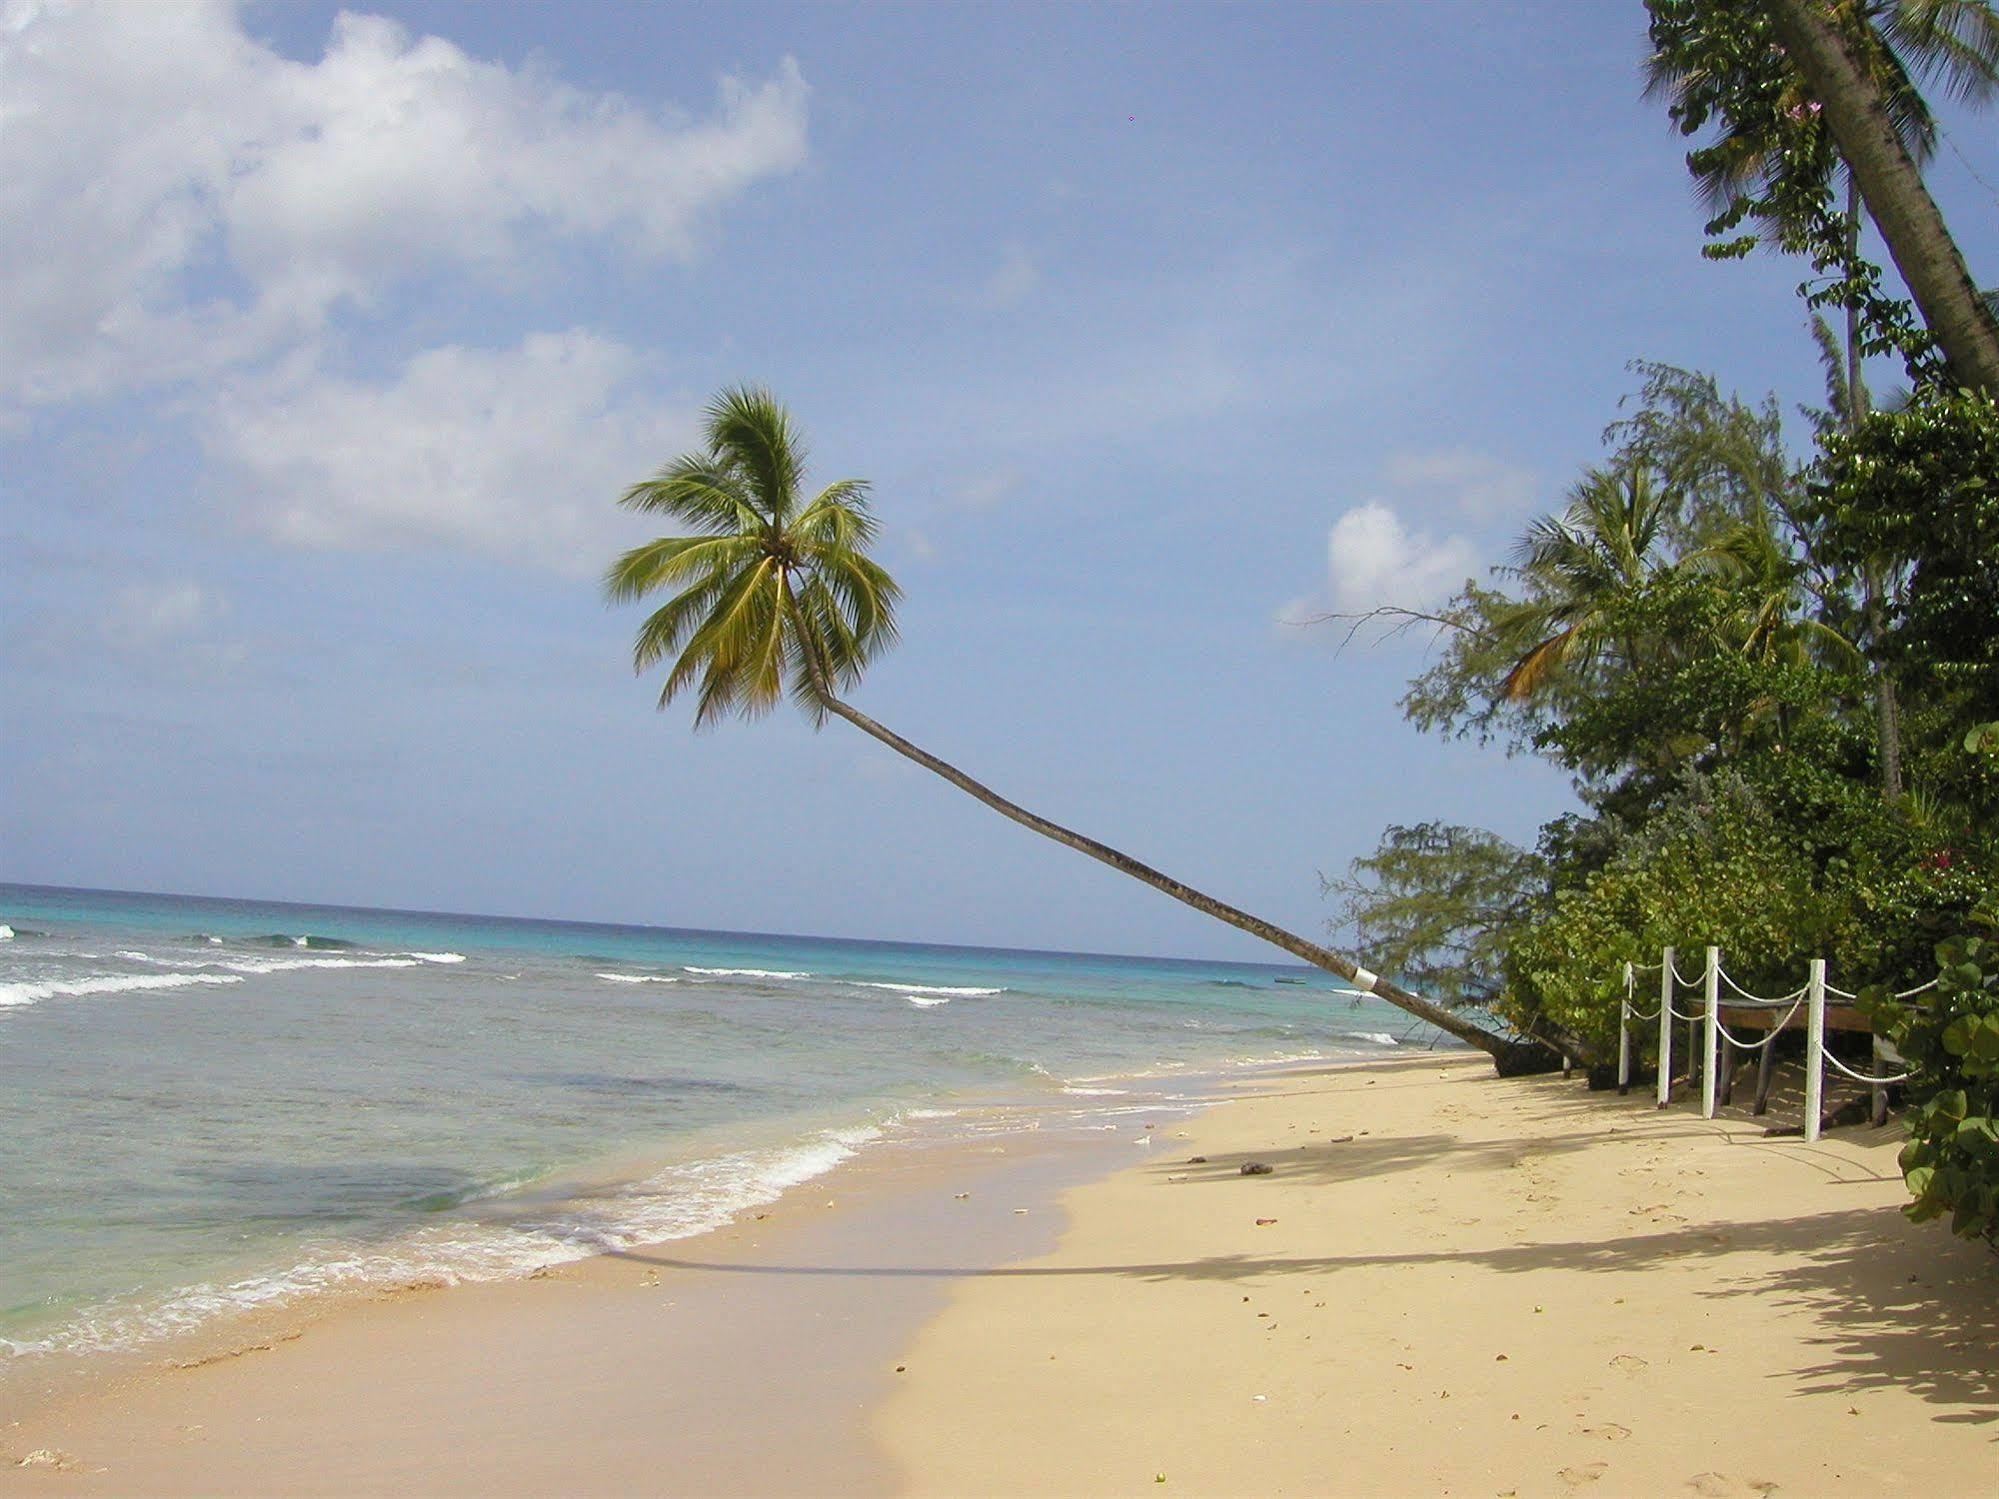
(1265, 1222)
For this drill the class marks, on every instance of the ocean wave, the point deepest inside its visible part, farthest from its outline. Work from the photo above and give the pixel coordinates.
(6, 932)
(290, 965)
(120, 983)
(943, 989)
(306, 939)
(743, 973)
(259, 966)
(1379, 1038)
(434, 957)
(677, 1203)
(1096, 1092)
(638, 978)
(928, 1001)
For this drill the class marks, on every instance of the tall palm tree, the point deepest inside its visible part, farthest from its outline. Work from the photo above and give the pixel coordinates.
(773, 593)
(1842, 50)
(1846, 96)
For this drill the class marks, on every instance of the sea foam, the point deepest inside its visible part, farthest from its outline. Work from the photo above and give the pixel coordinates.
(676, 1203)
(744, 973)
(943, 989)
(121, 983)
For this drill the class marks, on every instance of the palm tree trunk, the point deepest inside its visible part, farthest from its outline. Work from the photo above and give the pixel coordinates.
(1887, 708)
(1901, 206)
(1509, 1056)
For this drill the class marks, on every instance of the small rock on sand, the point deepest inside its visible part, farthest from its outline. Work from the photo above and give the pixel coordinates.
(1255, 1168)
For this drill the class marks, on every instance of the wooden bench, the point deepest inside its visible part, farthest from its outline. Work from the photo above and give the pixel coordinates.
(1838, 1017)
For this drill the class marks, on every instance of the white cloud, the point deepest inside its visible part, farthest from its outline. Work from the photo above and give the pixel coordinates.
(1474, 483)
(1372, 559)
(517, 453)
(178, 197)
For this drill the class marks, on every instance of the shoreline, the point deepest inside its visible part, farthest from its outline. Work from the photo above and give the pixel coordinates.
(317, 1397)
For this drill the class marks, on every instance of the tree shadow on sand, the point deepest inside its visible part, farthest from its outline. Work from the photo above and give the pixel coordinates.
(1897, 1305)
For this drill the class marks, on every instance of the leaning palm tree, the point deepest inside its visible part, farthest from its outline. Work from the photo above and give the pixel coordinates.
(772, 593)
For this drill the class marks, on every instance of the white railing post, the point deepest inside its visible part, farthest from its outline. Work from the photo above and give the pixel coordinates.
(1666, 1028)
(1713, 997)
(1624, 1033)
(1815, 1049)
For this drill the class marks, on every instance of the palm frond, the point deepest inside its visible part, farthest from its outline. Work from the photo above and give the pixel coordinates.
(752, 435)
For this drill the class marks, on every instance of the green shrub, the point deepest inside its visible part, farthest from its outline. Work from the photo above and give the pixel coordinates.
(1950, 1036)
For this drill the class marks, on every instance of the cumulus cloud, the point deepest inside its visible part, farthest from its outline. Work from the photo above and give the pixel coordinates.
(179, 197)
(517, 453)
(1373, 558)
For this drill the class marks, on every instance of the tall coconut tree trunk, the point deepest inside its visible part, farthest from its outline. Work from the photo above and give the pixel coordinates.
(1509, 1056)
(1887, 706)
(1890, 181)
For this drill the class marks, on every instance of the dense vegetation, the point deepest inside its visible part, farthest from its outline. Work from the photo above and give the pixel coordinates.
(1773, 677)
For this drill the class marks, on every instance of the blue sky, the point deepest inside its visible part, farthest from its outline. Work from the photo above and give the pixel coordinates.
(332, 337)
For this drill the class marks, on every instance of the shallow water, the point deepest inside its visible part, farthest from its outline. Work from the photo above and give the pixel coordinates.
(212, 1106)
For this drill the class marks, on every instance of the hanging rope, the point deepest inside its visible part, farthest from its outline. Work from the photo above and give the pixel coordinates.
(1782, 999)
(1639, 1014)
(1697, 1015)
(1770, 1036)
(1685, 982)
(1878, 1082)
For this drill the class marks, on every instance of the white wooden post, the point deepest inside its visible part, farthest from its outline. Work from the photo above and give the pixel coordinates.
(1713, 997)
(1815, 1049)
(1624, 1033)
(1666, 1028)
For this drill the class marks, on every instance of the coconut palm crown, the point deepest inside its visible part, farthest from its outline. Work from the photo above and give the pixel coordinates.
(772, 592)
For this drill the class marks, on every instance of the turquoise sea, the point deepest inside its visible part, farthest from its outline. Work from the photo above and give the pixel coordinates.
(213, 1106)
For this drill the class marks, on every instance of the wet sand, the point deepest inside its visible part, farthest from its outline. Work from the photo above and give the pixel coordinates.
(742, 1361)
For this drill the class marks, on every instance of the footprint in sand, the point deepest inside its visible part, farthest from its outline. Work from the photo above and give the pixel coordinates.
(1583, 1473)
(1728, 1486)
(1608, 1431)
(1630, 1363)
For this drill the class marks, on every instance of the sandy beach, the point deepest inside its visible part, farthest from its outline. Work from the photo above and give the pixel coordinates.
(1446, 1283)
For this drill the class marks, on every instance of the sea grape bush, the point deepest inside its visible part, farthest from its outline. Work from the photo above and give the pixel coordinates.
(1950, 1036)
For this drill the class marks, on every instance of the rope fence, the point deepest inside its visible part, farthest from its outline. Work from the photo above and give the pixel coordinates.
(1811, 997)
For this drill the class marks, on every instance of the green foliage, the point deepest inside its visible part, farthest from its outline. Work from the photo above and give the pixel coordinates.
(1433, 904)
(1713, 865)
(773, 592)
(1770, 162)
(1950, 1037)
(1921, 486)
